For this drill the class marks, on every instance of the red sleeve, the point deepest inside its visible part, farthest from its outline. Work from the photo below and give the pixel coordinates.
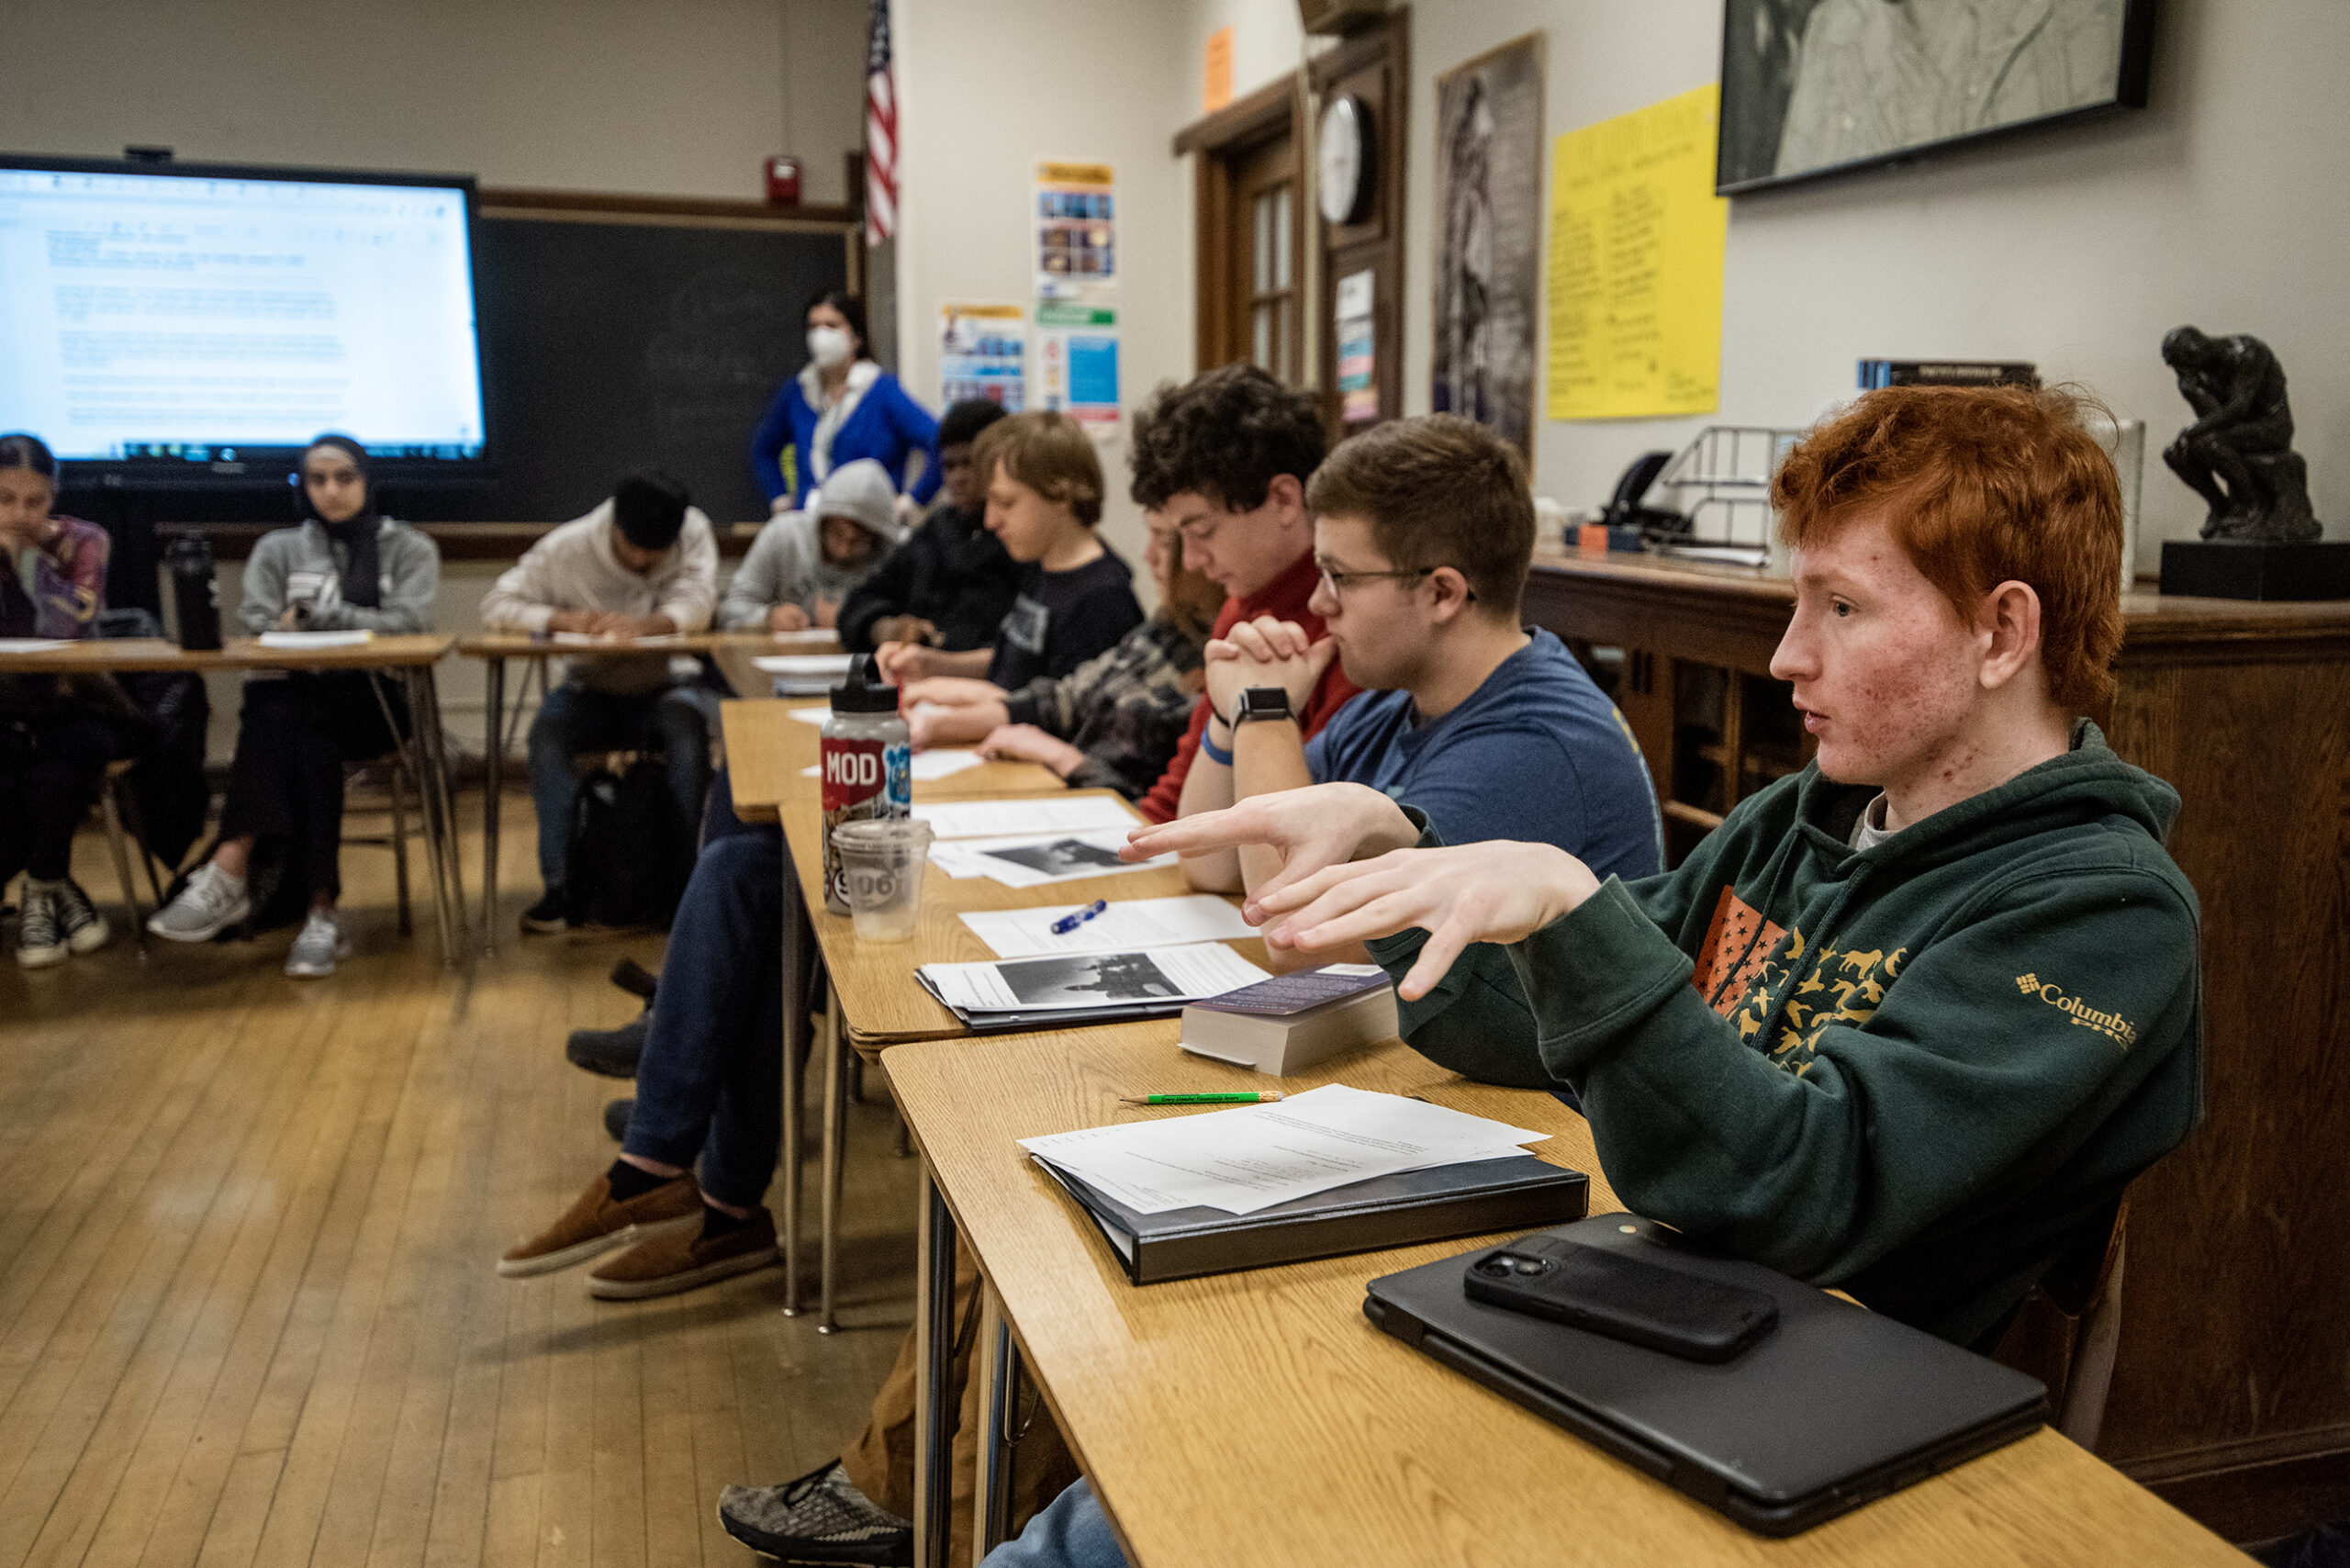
(1159, 805)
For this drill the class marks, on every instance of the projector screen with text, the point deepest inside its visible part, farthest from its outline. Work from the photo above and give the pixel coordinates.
(182, 316)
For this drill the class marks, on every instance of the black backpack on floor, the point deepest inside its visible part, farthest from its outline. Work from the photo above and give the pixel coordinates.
(629, 855)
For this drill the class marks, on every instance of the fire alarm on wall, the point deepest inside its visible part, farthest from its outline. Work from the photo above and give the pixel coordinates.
(783, 180)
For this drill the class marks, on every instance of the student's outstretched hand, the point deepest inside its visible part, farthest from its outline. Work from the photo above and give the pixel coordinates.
(787, 618)
(1496, 892)
(950, 691)
(1322, 825)
(1026, 743)
(1266, 651)
(901, 662)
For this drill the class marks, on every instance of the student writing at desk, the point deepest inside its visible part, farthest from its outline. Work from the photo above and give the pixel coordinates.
(1909, 1021)
(805, 564)
(1113, 721)
(1076, 599)
(950, 585)
(346, 567)
(643, 564)
(53, 747)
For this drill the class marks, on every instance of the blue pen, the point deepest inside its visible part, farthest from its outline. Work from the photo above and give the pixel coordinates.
(1070, 922)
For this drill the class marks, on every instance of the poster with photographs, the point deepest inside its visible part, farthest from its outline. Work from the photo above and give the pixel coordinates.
(1811, 88)
(1489, 239)
(983, 352)
(1076, 224)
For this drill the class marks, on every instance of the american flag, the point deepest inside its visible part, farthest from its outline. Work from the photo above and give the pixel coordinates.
(881, 131)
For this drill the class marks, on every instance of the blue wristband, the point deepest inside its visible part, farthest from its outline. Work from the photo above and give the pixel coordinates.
(1215, 753)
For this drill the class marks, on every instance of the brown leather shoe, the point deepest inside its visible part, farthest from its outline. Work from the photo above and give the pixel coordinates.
(594, 1224)
(684, 1259)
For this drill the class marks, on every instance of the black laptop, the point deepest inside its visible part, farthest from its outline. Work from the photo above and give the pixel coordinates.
(1834, 1407)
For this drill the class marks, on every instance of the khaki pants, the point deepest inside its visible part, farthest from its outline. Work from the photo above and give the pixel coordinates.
(880, 1463)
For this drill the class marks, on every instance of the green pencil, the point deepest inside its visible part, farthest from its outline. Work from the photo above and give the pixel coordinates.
(1250, 1097)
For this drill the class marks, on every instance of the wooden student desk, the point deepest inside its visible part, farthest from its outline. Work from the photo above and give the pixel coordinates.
(2228, 1395)
(730, 650)
(1259, 1418)
(409, 656)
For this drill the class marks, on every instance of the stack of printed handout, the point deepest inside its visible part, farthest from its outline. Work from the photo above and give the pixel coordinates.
(1027, 843)
(1254, 1157)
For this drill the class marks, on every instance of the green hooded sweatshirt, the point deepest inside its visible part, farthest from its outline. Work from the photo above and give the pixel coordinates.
(1917, 1071)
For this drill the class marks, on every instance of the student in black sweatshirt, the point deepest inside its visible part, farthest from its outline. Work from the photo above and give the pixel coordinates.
(950, 585)
(1076, 599)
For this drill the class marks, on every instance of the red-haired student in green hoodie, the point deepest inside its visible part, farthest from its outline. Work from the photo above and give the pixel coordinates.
(1909, 1021)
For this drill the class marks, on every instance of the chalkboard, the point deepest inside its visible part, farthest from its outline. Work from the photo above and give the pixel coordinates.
(611, 346)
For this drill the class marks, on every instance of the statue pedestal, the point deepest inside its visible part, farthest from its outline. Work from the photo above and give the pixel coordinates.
(2251, 568)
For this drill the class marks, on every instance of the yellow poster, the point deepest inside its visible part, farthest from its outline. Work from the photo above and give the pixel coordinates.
(1636, 264)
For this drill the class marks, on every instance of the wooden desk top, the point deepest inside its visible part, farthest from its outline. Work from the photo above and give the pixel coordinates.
(883, 1003)
(522, 645)
(1259, 1418)
(768, 753)
(110, 656)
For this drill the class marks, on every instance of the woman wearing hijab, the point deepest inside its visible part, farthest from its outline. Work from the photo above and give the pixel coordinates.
(346, 567)
(840, 407)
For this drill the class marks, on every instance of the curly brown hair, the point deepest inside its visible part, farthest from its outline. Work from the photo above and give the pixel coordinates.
(1224, 435)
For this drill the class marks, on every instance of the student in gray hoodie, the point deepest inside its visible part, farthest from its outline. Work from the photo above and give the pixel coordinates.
(804, 564)
(346, 567)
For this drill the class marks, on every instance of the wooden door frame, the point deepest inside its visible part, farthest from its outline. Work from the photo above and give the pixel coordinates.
(1219, 140)
(1380, 236)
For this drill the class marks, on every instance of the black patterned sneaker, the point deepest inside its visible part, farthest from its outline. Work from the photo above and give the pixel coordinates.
(39, 942)
(818, 1519)
(78, 921)
(548, 916)
(609, 1053)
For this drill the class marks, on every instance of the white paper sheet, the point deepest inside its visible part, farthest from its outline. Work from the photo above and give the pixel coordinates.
(927, 765)
(607, 640)
(1132, 922)
(311, 640)
(1094, 979)
(31, 644)
(812, 715)
(806, 635)
(999, 819)
(834, 664)
(1036, 861)
(1252, 1158)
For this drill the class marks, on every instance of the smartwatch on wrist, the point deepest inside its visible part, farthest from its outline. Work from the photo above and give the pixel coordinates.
(1261, 703)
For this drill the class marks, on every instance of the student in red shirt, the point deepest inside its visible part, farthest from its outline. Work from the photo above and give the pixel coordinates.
(1226, 456)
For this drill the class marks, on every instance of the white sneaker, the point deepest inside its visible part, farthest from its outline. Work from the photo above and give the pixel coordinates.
(320, 944)
(212, 902)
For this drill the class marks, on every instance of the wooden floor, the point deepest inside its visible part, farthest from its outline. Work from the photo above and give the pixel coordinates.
(247, 1227)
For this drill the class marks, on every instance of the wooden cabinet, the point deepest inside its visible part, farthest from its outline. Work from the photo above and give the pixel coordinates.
(2232, 1392)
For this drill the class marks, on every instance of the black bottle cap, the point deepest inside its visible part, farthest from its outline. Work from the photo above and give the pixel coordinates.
(862, 692)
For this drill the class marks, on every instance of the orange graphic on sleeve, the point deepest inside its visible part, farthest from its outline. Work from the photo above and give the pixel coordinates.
(1737, 945)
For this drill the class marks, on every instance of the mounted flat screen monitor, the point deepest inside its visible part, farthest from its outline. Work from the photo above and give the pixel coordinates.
(182, 323)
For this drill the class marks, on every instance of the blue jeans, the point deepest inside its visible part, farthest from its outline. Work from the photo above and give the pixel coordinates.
(1072, 1532)
(709, 1084)
(575, 718)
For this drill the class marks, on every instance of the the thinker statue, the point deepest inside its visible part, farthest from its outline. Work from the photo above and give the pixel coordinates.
(2238, 454)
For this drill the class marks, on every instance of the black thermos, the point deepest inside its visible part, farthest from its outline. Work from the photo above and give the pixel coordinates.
(195, 593)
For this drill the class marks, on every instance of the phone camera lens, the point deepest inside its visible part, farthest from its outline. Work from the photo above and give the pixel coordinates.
(1530, 1265)
(1497, 1267)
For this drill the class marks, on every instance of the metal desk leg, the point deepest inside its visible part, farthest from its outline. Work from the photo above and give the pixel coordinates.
(799, 1054)
(999, 1375)
(935, 1332)
(492, 757)
(422, 716)
(833, 1041)
(436, 748)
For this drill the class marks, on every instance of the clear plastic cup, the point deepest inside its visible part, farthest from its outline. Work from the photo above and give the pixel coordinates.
(882, 863)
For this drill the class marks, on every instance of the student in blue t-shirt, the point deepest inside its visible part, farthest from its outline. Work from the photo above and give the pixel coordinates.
(1424, 530)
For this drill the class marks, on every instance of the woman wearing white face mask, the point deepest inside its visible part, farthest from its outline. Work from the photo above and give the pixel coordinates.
(840, 407)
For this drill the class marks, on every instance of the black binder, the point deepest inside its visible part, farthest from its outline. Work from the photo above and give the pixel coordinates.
(1401, 1210)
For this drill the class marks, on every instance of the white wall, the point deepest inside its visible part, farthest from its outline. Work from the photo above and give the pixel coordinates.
(2222, 203)
(681, 100)
(984, 92)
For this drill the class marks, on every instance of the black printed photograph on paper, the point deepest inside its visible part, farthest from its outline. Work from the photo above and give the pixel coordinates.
(1094, 977)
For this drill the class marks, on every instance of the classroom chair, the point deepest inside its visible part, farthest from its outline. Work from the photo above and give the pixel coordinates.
(2068, 1330)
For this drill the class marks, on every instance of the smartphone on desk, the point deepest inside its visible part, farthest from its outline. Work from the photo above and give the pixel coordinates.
(1624, 1298)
